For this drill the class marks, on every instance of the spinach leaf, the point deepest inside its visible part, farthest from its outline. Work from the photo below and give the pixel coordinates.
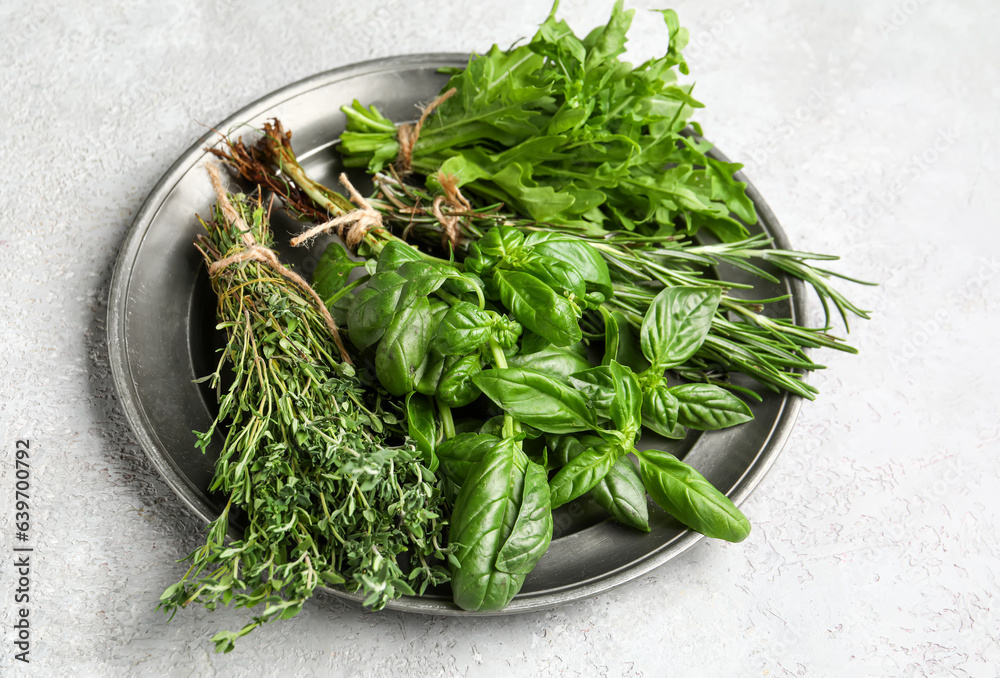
(707, 407)
(536, 399)
(686, 495)
(538, 307)
(677, 323)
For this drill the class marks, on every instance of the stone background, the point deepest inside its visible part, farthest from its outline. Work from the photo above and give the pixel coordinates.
(869, 126)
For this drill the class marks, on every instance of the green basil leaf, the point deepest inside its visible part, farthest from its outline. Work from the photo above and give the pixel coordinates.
(532, 343)
(459, 454)
(686, 495)
(394, 254)
(614, 393)
(707, 407)
(629, 351)
(501, 241)
(532, 531)
(421, 425)
(332, 270)
(538, 307)
(659, 410)
(622, 494)
(373, 308)
(560, 276)
(536, 399)
(558, 362)
(403, 347)
(422, 278)
(464, 328)
(482, 521)
(677, 323)
(582, 473)
(456, 388)
(578, 253)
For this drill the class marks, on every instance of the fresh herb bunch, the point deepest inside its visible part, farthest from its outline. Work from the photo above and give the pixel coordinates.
(562, 131)
(309, 476)
(570, 317)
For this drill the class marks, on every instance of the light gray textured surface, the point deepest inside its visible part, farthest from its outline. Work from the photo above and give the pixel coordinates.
(868, 126)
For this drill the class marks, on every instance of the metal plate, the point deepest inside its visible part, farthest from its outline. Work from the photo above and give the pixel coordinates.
(161, 315)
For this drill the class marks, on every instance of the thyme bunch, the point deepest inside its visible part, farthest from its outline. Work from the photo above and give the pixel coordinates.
(310, 479)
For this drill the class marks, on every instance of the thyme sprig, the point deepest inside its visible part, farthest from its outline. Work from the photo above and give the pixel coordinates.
(309, 479)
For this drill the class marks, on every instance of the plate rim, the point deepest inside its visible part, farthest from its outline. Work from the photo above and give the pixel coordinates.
(526, 602)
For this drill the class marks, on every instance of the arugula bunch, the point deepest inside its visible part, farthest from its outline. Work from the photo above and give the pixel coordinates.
(562, 131)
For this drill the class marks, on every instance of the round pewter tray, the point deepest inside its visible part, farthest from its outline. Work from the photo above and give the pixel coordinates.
(161, 338)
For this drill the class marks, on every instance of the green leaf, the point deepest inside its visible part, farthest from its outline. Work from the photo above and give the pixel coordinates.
(677, 323)
(582, 473)
(622, 494)
(556, 362)
(463, 328)
(536, 399)
(501, 241)
(578, 253)
(482, 520)
(421, 424)
(538, 307)
(659, 410)
(614, 393)
(456, 388)
(404, 345)
(686, 495)
(460, 454)
(532, 531)
(394, 254)
(707, 407)
(373, 308)
(332, 270)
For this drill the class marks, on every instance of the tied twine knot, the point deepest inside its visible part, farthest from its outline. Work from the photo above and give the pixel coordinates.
(408, 134)
(351, 227)
(253, 251)
(457, 205)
